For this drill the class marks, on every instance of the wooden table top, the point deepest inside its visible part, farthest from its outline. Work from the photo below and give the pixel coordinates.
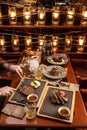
(79, 118)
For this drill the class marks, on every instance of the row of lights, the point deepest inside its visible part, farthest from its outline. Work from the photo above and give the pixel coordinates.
(15, 43)
(28, 11)
(68, 43)
(43, 43)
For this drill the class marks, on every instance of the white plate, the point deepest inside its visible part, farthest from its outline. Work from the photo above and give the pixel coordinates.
(62, 62)
(62, 71)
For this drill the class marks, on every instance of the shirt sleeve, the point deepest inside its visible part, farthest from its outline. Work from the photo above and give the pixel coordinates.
(1, 63)
(2, 101)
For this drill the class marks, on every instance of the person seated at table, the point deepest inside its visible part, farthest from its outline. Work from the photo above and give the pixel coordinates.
(7, 90)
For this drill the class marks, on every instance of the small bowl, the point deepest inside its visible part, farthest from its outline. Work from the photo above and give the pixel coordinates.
(32, 98)
(64, 111)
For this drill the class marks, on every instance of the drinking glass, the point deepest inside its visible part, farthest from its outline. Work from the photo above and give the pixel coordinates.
(38, 74)
(34, 64)
(31, 106)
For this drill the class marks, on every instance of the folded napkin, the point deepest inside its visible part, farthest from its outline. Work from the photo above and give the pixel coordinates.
(69, 85)
(64, 84)
(14, 110)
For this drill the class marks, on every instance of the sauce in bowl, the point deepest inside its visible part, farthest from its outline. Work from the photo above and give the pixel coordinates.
(64, 111)
(32, 97)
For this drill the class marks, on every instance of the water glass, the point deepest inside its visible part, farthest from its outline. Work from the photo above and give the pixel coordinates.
(31, 105)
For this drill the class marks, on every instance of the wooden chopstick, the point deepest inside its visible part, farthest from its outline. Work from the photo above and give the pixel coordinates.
(19, 74)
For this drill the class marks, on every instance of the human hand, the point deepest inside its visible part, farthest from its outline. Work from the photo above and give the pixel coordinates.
(17, 69)
(6, 90)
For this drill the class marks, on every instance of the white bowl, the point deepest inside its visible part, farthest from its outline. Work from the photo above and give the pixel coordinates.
(32, 97)
(64, 111)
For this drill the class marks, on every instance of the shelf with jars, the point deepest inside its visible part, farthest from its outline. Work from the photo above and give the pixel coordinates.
(63, 24)
(55, 16)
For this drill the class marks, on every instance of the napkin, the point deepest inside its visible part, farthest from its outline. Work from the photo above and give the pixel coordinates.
(69, 85)
(14, 110)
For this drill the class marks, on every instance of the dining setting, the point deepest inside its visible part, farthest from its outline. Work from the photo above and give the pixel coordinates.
(52, 94)
(47, 40)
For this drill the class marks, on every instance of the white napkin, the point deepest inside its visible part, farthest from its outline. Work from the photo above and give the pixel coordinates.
(71, 86)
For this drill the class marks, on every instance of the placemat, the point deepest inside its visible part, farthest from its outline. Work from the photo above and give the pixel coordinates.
(14, 110)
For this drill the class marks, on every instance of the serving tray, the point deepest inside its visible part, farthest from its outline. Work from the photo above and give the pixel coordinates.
(21, 99)
(50, 110)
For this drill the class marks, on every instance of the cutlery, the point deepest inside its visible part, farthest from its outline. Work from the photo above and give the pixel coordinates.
(55, 83)
(19, 74)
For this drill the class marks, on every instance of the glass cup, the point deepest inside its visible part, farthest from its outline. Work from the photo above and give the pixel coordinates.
(25, 67)
(31, 105)
(34, 64)
(38, 74)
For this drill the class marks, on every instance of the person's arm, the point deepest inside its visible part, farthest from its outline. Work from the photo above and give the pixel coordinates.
(6, 90)
(11, 67)
(2, 101)
(6, 65)
(1, 63)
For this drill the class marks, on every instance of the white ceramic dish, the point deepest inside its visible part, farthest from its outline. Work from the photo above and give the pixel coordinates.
(32, 98)
(64, 111)
(62, 72)
(64, 59)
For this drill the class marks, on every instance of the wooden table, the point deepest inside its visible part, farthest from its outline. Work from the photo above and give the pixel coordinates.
(79, 119)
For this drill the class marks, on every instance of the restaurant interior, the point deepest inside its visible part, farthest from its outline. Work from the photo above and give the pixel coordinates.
(54, 33)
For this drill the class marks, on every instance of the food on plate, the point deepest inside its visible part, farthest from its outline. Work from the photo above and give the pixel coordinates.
(58, 97)
(57, 58)
(64, 111)
(26, 90)
(55, 71)
(35, 84)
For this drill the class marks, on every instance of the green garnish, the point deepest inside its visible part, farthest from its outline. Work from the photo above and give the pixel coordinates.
(35, 82)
